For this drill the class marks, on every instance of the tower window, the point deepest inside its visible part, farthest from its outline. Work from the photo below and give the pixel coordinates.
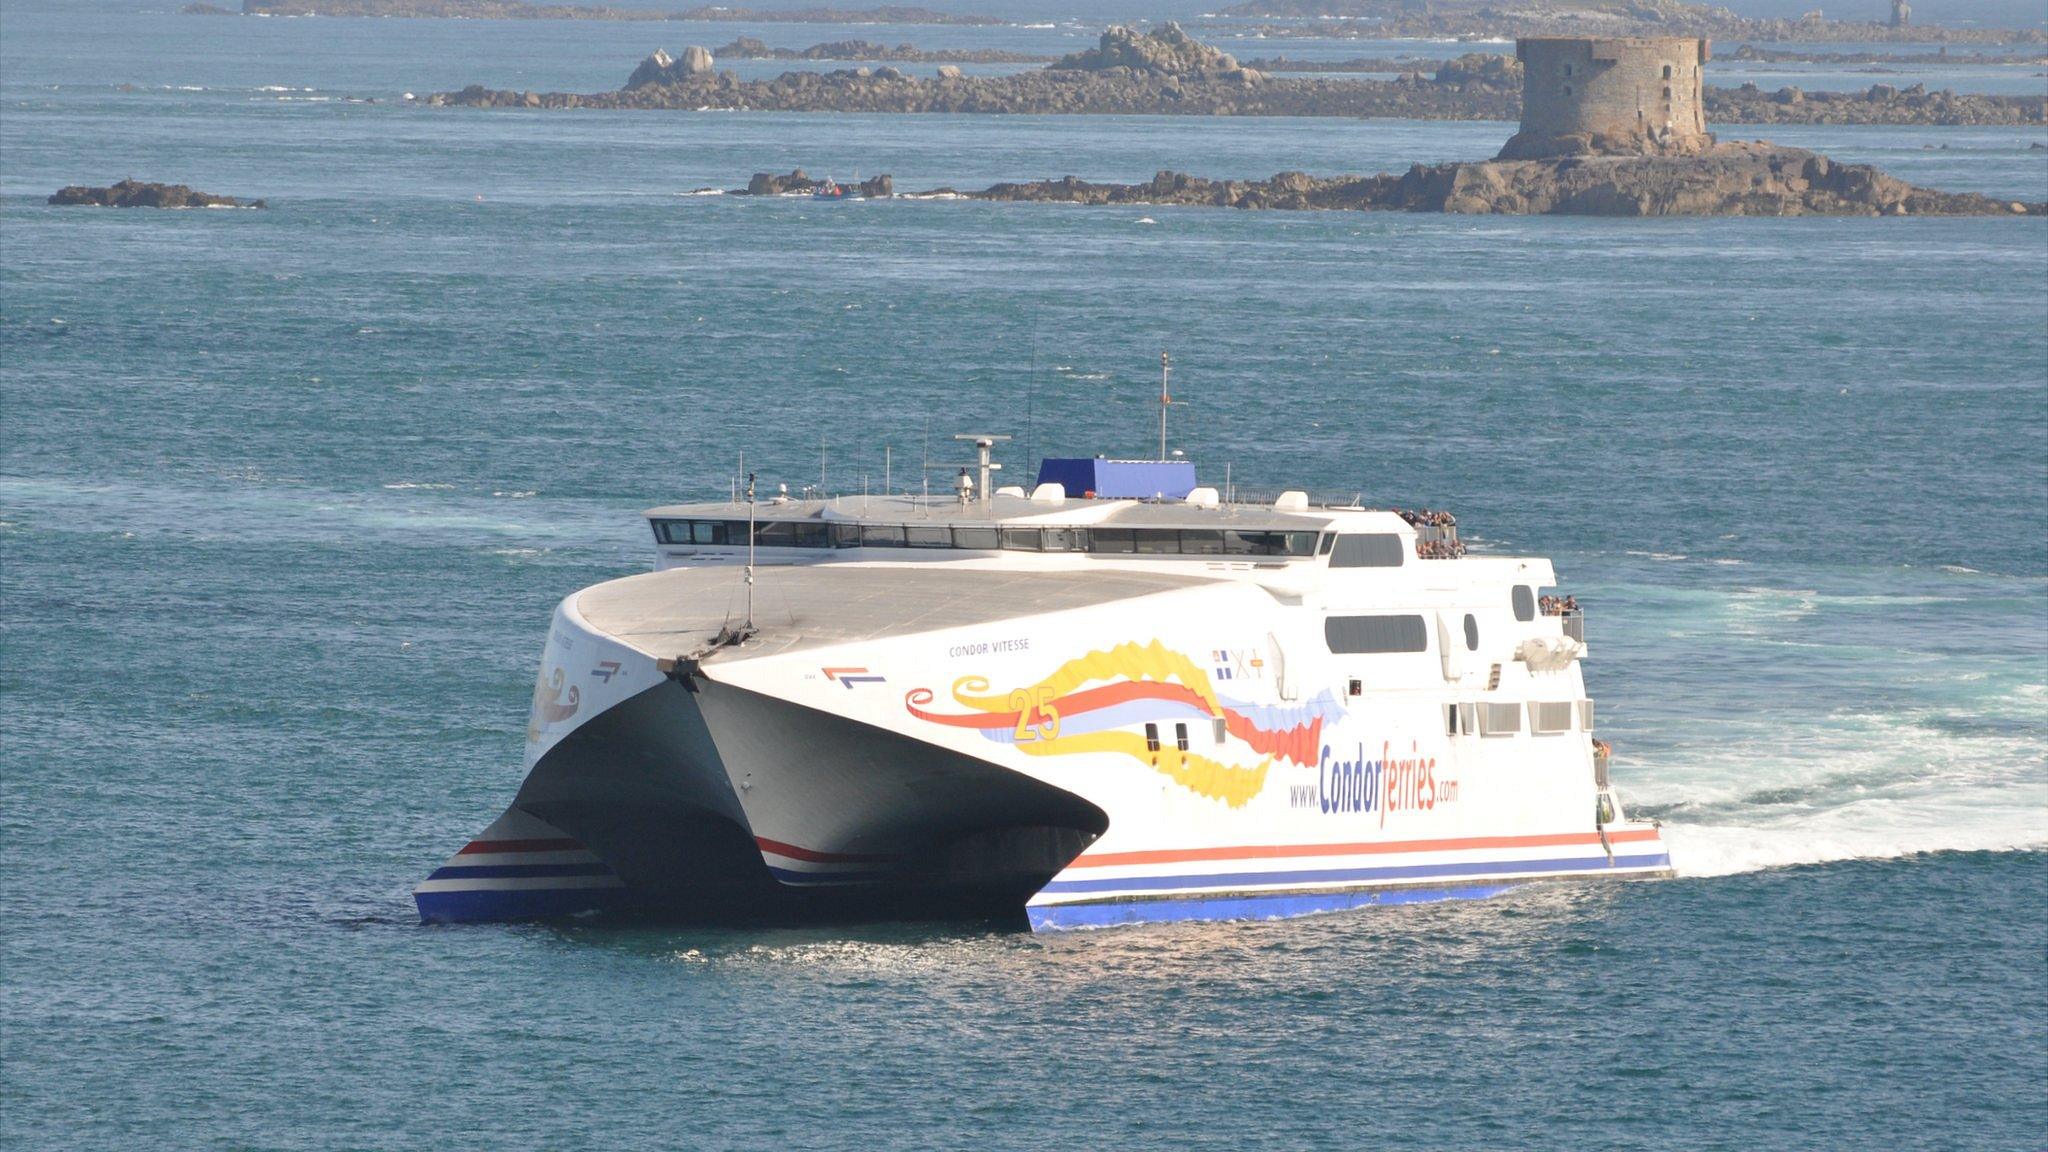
(1567, 89)
(1667, 94)
(1667, 71)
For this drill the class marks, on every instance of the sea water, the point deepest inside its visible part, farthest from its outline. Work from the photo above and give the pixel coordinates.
(287, 496)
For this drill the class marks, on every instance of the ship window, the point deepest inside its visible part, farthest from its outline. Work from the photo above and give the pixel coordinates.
(1023, 540)
(1356, 687)
(1450, 719)
(1324, 545)
(812, 534)
(1223, 729)
(1585, 715)
(977, 538)
(1525, 603)
(1201, 541)
(927, 536)
(1369, 550)
(775, 534)
(1500, 719)
(1151, 737)
(1348, 635)
(1156, 541)
(881, 535)
(1471, 632)
(672, 531)
(1066, 539)
(1468, 717)
(1180, 736)
(846, 535)
(1547, 717)
(1110, 540)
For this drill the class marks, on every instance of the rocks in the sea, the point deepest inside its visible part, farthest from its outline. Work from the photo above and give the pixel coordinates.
(798, 183)
(1168, 72)
(1738, 179)
(137, 194)
(661, 69)
(1164, 51)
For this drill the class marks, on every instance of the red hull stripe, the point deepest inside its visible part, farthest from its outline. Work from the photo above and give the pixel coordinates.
(1284, 851)
(795, 853)
(563, 844)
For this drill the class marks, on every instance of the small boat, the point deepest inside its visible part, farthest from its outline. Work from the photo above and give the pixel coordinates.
(833, 190)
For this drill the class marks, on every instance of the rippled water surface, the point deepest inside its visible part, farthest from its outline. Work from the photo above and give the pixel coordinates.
(287, 495)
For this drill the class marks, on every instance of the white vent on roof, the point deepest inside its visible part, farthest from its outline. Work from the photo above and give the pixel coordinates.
(1204, 498)
(1049, 494)
(1292, 501)
(1010, 490)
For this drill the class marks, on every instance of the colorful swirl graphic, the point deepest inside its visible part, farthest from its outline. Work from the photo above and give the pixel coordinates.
(1090, 703)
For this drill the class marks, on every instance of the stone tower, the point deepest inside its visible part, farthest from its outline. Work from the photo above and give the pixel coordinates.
(1640, 95)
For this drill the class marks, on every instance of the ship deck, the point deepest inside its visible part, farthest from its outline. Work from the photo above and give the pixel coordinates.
(678, 612)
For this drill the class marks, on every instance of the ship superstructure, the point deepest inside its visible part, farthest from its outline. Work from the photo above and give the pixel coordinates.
(1114, 697)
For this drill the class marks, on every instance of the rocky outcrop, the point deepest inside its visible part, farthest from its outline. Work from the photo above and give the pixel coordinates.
(1164, 51)
(797, 183)
(1471, 87)
(1754, 179)
(136, 194)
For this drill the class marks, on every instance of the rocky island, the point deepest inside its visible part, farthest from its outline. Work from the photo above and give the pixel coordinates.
(1168, 72)
(137, 194)
(1585, 147)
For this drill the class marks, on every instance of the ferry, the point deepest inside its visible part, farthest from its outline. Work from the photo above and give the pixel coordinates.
(1117, 697)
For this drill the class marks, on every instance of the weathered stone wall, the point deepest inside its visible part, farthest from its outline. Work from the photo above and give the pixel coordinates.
(1641, 94)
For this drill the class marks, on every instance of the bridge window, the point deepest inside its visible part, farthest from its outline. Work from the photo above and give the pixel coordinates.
(881, 536)
(1500, 719)
(1356, 635)
(1471, 632)
(1023, 540)
(927, 536)
(987, 538)
(1201, 542)
(1369, 550)
(1546, 717)
(1110, 540)
(1156, 541)
(1525, 603)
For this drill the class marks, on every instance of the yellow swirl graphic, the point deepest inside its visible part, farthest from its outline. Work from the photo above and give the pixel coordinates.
(1234, 785)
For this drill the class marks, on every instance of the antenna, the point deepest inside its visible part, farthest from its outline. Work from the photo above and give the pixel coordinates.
(750, 552)
(1165, 400)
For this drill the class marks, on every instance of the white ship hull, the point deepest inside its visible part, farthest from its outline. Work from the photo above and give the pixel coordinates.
(1070, 742)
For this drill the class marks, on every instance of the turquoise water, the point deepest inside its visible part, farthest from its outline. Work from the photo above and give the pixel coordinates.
(286, 497)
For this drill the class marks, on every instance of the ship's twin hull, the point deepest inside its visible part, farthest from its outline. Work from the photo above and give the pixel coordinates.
(649, 809)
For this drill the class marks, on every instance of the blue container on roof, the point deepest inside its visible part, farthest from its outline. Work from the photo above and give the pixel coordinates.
(1120, 479)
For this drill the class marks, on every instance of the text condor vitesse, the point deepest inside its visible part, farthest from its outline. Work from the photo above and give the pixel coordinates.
(1386, 784)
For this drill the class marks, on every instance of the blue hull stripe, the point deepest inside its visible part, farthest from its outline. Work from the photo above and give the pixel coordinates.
(498, 871)
(1354, 875)
(494, 904)
(1054, 917)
